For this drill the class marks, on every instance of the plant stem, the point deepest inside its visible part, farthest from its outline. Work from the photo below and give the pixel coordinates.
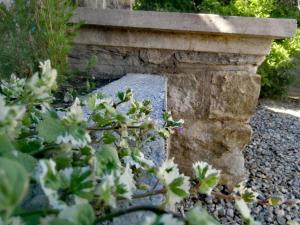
(148, 194)
(38, 211)
(226, 197)
(111, 128)
(153, 209)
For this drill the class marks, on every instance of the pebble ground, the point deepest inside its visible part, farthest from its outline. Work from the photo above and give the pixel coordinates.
(273, 162)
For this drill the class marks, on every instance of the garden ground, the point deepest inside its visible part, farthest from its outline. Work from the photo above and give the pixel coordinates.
(273, 162)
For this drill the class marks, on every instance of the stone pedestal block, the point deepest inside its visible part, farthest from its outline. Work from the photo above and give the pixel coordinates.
(217, 142)
(210, 61)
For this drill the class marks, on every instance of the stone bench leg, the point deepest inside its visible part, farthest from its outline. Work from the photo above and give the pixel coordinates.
(216, 108)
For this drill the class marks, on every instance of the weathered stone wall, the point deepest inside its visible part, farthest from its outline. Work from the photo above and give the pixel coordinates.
(114, 62)
(215, 93)
(210, 62)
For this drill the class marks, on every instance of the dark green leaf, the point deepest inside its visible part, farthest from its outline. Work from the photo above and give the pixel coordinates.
(108, 137)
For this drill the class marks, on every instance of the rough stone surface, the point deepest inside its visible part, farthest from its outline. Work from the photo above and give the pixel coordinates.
(233, 96)
(272, 160)
(114, 62)
(219, 143)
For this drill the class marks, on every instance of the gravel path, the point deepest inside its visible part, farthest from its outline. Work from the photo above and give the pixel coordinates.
(273, 162)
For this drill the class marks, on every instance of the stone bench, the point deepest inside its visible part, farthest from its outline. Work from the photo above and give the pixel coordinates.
(210, 62)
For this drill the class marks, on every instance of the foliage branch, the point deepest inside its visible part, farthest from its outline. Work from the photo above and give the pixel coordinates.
(85, 165)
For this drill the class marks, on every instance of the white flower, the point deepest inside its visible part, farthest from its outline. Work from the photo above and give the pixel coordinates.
(106, 190)
(75, 112)
(10, 117)
(41, 86)
(207, 176)
(246, 193)
(49, 75)
(137, 160)
(127, 180)
(46, 168)
(69, 139)
(177, 184)
(168, 171)
(199, 167)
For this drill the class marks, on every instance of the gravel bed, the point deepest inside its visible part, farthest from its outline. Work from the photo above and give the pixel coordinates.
(273, 162)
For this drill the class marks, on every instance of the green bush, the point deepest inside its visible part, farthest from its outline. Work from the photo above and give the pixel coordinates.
(276, 70)
(166, 5)
(17, 46)
(33, 31)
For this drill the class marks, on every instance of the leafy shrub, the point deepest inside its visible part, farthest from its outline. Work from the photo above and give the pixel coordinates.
(86, 165)
(165, 5)
(276, 70)
(17, 45)
(35, 30)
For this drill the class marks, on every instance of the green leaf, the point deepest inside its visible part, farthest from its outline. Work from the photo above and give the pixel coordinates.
(81, 214)
(248, 196)
(125, 96)
(6, 145)
(14, 183)
(108, 137)
(207, 176)
(29, 145)
(50, 127)
(107, 160)
(63, 161)
(7, 150)
(82, 183)
(199, 216)
(174, 186)
(208, 183)
(273, 201)
(27, 161)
